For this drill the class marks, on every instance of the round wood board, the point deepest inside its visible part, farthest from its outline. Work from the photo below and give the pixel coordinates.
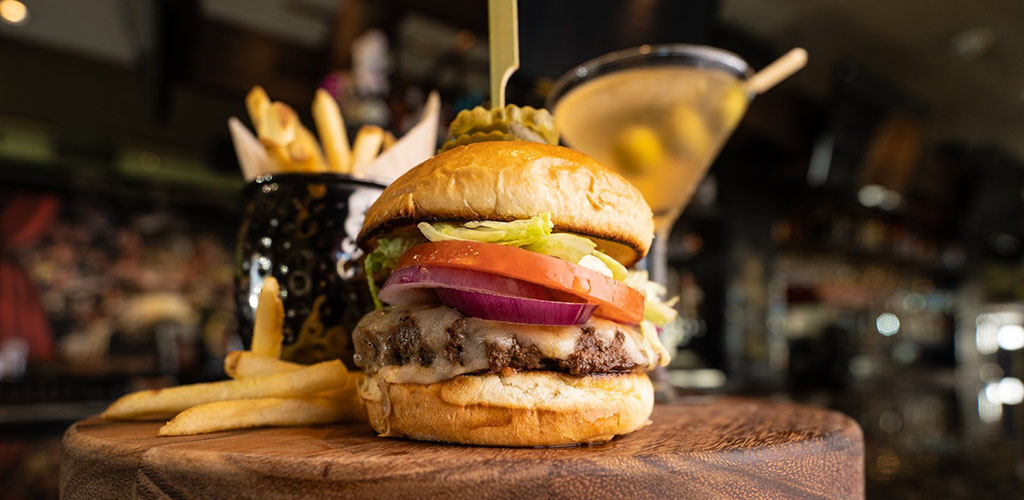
(697, 447)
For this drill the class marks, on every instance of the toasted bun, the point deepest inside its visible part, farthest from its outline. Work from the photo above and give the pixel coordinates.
(506, 181)
(521, 409)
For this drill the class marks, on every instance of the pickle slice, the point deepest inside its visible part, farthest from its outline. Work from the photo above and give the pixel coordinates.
(511, 123)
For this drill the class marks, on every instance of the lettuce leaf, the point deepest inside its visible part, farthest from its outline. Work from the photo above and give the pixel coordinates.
(649, 331)
(385, 258)
(641, 281)
(516, 233)
(564, 246)
(618, 270)
(533, 234)
(657, 310)
(591, 262)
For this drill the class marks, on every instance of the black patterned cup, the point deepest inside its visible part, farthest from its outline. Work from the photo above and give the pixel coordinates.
(301, 228)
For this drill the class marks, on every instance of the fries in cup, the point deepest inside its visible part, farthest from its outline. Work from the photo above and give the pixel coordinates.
(331, 127)
(292, 148)
(305, 151)
(366, 147)
(256, 103)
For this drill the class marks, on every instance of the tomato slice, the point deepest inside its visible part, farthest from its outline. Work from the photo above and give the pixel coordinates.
(615, 300)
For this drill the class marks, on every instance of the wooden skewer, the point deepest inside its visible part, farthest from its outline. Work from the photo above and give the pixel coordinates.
(782, 68)
(503, 41)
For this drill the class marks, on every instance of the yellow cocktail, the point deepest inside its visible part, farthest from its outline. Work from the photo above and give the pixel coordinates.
(656, 114)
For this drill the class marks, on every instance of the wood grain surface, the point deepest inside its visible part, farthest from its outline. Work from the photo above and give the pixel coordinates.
(698, 447)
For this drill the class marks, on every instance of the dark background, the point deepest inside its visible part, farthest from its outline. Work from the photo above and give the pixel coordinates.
(883, 179)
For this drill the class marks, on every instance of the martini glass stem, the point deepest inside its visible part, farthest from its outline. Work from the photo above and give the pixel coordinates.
(658, 258)
(657, 266)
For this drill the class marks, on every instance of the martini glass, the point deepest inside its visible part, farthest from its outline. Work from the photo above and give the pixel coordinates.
(658, 115)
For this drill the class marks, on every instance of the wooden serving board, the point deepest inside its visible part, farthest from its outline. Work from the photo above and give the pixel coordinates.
(698, 447)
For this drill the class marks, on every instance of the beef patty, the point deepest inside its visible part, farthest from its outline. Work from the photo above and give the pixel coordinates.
(440, 340)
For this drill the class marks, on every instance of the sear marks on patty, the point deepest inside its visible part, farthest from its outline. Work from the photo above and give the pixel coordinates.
(456, 343)
(441, 339)
(592, 355)
(408, 346)
(515, 357)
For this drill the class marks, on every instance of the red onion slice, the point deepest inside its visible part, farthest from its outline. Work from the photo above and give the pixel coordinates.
(411, 285)
(516, 309)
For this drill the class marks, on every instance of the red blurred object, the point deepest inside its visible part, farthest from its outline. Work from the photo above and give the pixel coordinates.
(23, 219)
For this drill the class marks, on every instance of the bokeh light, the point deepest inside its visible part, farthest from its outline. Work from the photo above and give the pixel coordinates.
(887, 324)
(1010, 337)
(13, 11)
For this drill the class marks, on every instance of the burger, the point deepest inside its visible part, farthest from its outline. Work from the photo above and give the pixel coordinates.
(505, 312)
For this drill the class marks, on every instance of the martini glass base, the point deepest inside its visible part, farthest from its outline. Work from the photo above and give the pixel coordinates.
(656, 264)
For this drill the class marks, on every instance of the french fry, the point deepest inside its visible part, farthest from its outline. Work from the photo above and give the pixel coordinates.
(331, 127)
(366, 147)
(307, 382)
(268, 323)
(243, 364)
(276, 130)
(278, 124)
(305, 151)
(389, 140)
(256, 103)
(349, 390)
(300, 157)
(274, 124)
(279, 156)
(277, 412)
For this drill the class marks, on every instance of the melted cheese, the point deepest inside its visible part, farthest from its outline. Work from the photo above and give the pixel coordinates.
(433, 323)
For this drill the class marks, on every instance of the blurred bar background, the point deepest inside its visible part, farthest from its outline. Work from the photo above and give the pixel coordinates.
(857, 245)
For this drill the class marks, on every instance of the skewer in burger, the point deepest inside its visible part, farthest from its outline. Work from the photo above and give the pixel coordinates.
(507, 316)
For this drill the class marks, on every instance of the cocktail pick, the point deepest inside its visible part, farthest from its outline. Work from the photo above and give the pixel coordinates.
(772, 74)
(503, 40)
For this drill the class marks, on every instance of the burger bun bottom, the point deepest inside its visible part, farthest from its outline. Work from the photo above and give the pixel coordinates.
(530, 408)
